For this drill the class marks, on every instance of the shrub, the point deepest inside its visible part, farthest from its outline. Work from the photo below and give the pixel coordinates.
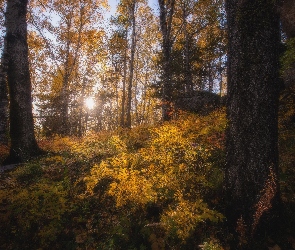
(173, 171)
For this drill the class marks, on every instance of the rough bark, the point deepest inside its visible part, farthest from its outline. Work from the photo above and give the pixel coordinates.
(3, 98)
(251, 183)
(23, 142)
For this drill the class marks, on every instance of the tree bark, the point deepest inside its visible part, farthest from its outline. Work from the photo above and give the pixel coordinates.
(166, 15)
(188, 71)
(122, 117)
(23, 142)
(251, 178)
(131, 68)
(4, 97)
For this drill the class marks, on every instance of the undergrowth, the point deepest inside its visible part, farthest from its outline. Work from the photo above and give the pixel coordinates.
(146, 188)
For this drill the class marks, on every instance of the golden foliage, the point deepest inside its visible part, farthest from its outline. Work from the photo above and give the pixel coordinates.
(105, 190)
(174, 168)
(267, 195)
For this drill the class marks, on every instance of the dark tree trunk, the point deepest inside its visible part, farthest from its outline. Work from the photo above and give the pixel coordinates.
(23, 142)
(251, 183)
(288, 17)
(3, 98)
(166, 15)
(64, 105)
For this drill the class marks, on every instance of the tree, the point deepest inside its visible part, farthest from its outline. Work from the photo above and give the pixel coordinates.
(3, 98)
(166, 17)
(127, 19)
(132, 9)
(131, 49)
(117, 47)
(251, 177)
(73, 50)
(3, 88)
(23, 142)
(194, 42)
(288, 61)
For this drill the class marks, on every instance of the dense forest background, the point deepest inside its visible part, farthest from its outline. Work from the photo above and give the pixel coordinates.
(147, 124)
(78, 51)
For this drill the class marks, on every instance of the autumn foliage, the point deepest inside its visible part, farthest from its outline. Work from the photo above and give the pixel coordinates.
(145, 188)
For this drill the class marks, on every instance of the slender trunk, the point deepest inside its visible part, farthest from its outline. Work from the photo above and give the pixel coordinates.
(135, 97)
(251, 177)
(64, 130)
(167, 88)
(210, 78)
(221, 78)
(23, 142)
(131, 68)
(166, 15)
(188, 73)
(117, 104)
(64, 96)
(69, 67)
(124, 87)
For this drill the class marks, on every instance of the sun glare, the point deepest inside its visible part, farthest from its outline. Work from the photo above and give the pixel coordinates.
(89, 102)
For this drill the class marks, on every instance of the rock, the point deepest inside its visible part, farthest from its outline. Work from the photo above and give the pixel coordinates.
(201, 102)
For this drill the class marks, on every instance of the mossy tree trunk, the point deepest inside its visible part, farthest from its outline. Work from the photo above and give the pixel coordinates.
(251, 178)
(23, 142)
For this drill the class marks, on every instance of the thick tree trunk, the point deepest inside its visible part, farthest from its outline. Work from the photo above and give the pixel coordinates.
(3, 98)
(253, 89)
(23, 142)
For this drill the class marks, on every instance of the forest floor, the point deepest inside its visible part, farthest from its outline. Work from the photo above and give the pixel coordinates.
(151, 187)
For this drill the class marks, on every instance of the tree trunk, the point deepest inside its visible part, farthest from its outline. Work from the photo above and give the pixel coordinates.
(188, 72)
(64, 108)
(166, 15)
(288, 17)
(23, 142)
(64, 95)
(210, 78)
(251, 179)
(123, 124)
(131, 68)
(3, 98)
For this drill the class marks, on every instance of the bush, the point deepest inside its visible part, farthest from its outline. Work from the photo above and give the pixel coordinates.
(173, 171)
